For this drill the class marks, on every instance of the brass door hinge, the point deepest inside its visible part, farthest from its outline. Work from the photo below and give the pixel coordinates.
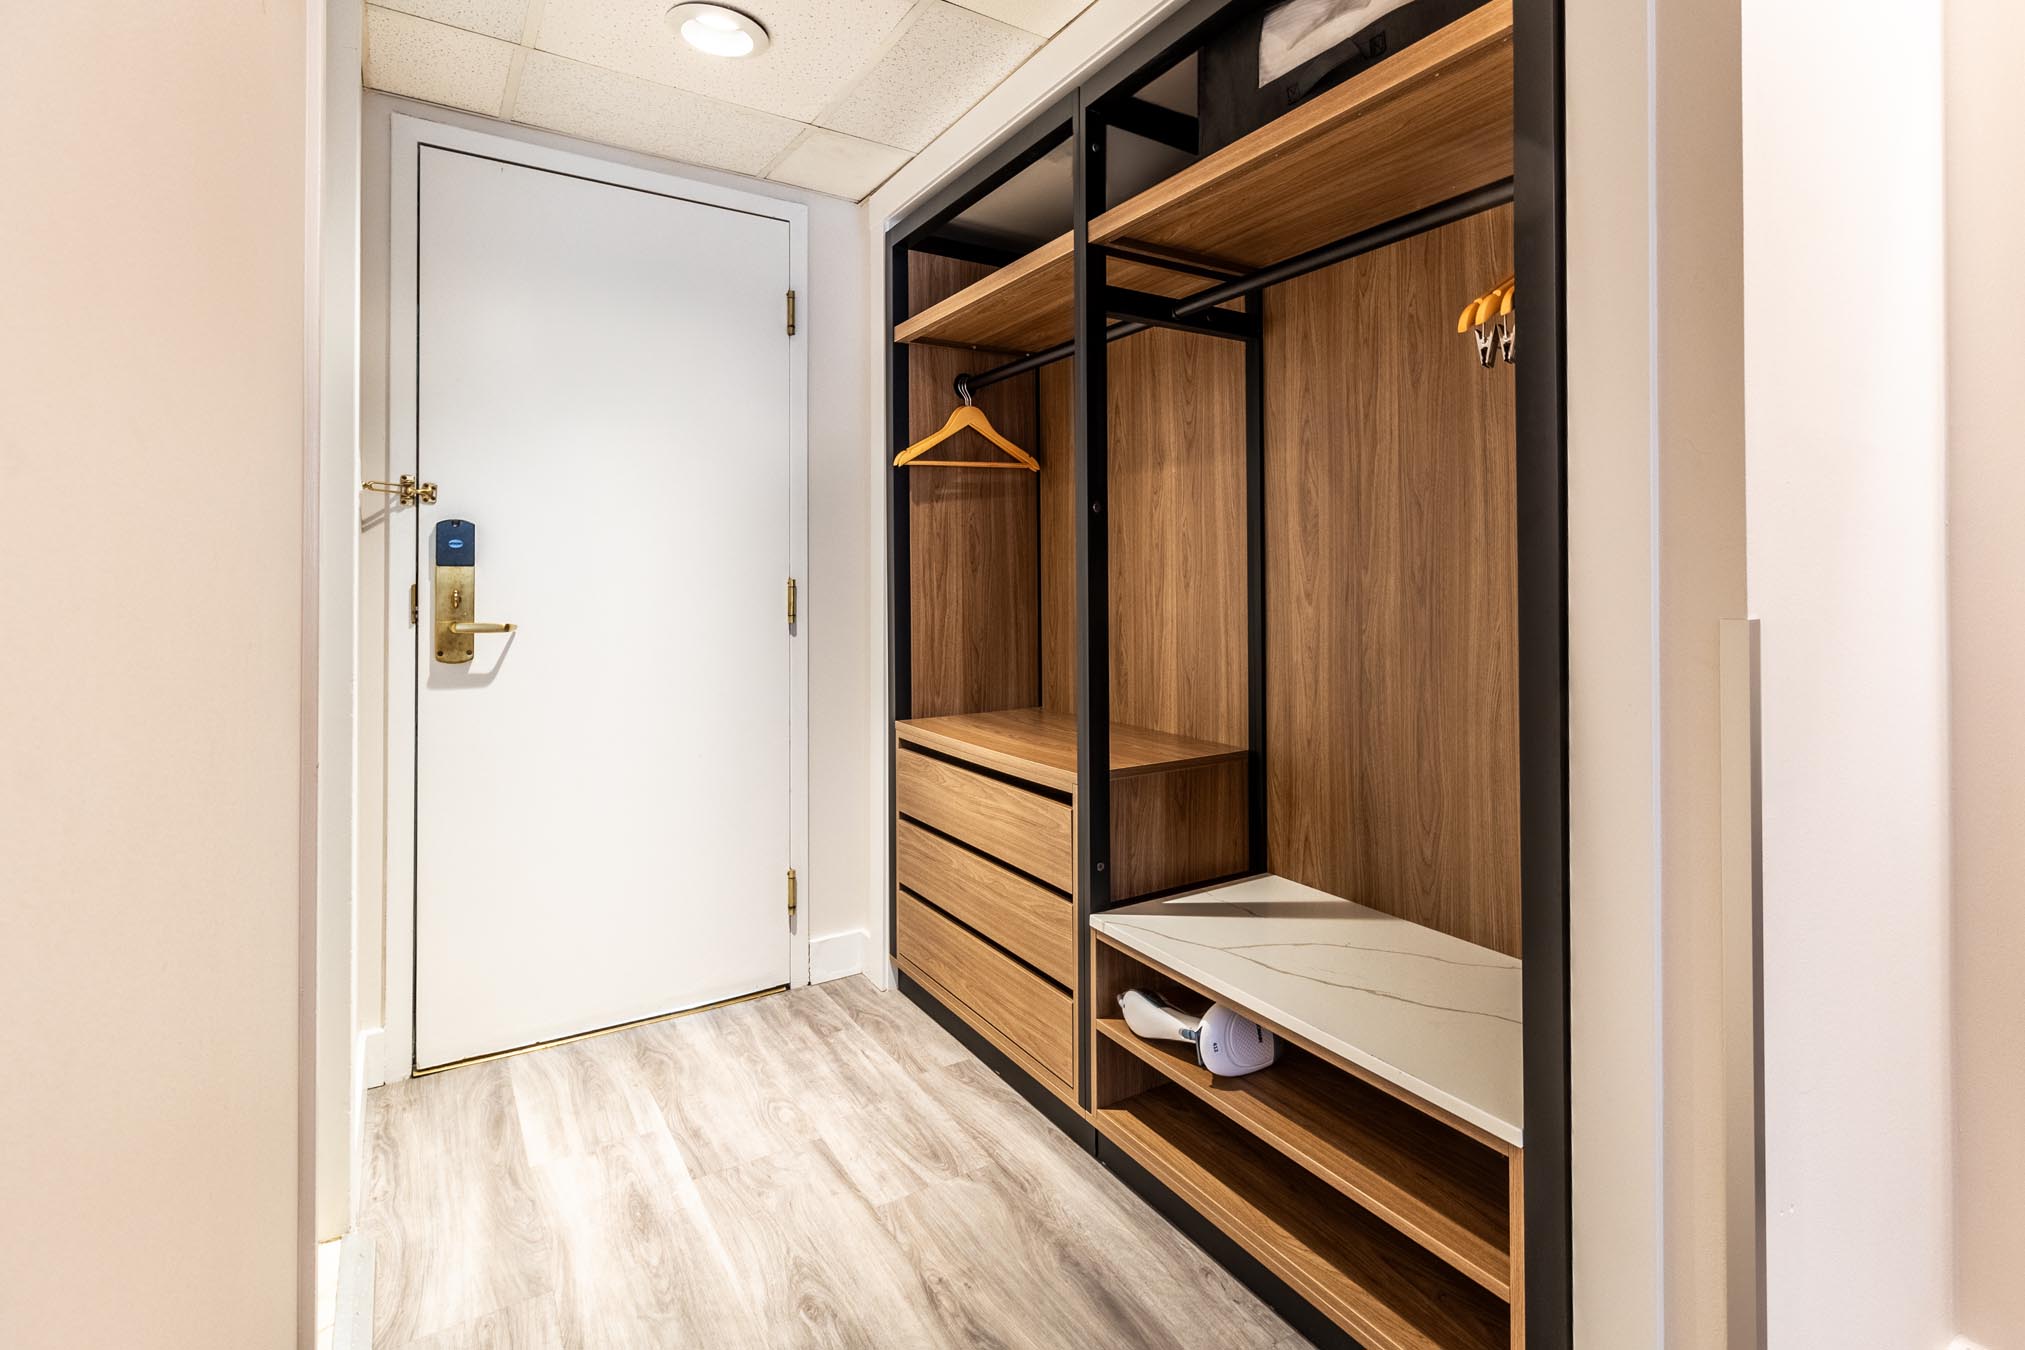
(414, 603)
(791, 313)
(791, 604)
(791, 897)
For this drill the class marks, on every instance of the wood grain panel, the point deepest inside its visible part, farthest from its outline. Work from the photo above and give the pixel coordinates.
(1033, 923)
(1177, 536)
(1391, 588)
(1025, 829)
(1178, 828)
(1114, 1075)
(974, 576)
(1444, 1191)
(1058, 537)
(1020, 1004)
(1177, 530)
(1425, 125)
(1040, 746)
(1371, 1281)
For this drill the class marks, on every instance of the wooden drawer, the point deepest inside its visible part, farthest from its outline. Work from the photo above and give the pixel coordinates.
(1022, 1007)
(1021, 828)
(1032, 922)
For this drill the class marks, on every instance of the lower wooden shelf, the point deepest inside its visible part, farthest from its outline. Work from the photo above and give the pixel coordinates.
(1379, 1286)
(1446, 1192)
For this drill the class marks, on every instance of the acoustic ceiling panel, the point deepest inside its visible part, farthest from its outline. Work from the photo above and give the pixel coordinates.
(411, 56)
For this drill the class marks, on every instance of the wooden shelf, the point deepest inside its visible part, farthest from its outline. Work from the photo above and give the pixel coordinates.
(1381, 1288)
(1040, 746)
(1425, 125)
(1029, 304)
(1429, 123)
(1444, 1191)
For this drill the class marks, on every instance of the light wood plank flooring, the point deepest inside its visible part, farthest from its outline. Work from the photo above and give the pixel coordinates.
(825, 1167)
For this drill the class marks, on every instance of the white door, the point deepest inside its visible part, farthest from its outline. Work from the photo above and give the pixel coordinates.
(602, 797)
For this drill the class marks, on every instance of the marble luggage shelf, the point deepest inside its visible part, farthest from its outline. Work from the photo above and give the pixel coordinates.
(1429, 1013)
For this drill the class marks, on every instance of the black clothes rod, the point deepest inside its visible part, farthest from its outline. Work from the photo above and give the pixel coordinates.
(970, 384)
(1314, 260)
(1351, 246)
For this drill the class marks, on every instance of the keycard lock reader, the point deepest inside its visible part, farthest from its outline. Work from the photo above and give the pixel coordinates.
(456, 584)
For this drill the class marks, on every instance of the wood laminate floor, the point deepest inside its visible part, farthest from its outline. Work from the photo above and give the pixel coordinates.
(825, 1167)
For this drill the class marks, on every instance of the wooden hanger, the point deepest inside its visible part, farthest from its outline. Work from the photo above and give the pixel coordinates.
(969, 416)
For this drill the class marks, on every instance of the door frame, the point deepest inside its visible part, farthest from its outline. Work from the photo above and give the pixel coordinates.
(410, 135)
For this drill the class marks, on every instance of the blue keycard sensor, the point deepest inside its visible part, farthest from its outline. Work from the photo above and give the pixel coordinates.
(456, 543)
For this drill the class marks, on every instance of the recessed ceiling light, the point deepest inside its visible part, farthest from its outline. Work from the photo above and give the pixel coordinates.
(718, 31)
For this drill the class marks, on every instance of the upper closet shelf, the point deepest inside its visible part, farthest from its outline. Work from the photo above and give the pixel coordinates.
(1029, 304)
(1422, 127)
(1041, 746)
(1431, 123)
(1423, 1011)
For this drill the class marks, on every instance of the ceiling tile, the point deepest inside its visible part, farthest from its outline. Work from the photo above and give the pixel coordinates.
(947, 60)
(602, 105)
(494, 18)
(843, 166)
(818, 48)
(1046, 17)
(431, 61)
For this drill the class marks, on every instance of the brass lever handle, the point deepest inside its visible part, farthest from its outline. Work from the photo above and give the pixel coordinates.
(484, 627)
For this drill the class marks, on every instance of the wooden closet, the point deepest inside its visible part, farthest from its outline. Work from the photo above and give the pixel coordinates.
(1253, 693)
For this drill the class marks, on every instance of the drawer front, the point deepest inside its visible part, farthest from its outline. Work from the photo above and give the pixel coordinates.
(1024, 1008)
(1031, 922)
(1024, 829)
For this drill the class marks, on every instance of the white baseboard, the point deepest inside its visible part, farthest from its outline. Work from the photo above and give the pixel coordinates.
(373, 1056)
(838, 955)
(367, 1072)
(352, 1325)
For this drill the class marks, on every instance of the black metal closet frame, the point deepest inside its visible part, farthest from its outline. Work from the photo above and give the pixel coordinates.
(1105, 313)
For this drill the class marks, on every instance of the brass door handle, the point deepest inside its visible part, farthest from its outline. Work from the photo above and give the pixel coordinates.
(484, 627)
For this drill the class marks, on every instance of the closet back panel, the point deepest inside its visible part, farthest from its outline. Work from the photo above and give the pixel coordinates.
(1177, 535)
(1392, 657)
(974, 571)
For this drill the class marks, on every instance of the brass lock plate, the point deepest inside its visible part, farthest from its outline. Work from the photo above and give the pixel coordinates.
(454, 604)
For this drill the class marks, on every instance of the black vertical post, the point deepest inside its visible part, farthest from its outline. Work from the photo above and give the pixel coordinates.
(1538, 173)
(1255, 577)
(1093, 560)
(899, 518)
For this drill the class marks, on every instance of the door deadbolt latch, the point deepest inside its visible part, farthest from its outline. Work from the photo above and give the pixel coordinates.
(406, 491)
(456, 576)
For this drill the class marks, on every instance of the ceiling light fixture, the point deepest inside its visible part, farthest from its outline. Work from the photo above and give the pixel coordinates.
(716, 30)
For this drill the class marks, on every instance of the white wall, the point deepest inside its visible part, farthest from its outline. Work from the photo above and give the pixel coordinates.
(1846, 426)
(152, 449)
(834, 599)
(1986, 600)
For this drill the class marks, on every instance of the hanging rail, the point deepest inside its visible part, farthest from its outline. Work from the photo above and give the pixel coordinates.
(1314, 260)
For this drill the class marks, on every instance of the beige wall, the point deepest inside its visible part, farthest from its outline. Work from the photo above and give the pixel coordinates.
(1986, 597)
(1656, 560)
(151, 451)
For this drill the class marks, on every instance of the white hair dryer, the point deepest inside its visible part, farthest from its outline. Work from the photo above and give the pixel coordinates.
(1226, 1043)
